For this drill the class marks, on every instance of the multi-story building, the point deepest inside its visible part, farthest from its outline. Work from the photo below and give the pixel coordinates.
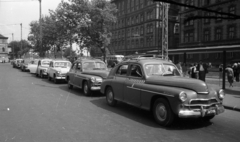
(138, 27)
(3, 48)
(204, 32)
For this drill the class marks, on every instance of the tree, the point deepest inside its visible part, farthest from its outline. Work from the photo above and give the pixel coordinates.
(16, 47)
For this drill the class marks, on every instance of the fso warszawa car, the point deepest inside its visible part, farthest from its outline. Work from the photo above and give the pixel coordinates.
(157, 85)
(42, 67)
(87, 74)
(58, 69)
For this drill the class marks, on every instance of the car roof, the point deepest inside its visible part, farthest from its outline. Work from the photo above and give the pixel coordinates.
(88, 59)
(60, 60)
(144, 60)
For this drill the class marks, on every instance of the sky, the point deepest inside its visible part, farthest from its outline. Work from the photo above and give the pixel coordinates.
(14, 12)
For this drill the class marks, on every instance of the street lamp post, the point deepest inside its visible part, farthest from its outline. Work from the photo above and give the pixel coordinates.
(40, 23)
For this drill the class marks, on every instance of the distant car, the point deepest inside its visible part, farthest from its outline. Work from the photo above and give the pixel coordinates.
(17, 63)
(87, 74)
(42, 67)
(158, 86)
(58, 69)
(25, 63)
(32, 66)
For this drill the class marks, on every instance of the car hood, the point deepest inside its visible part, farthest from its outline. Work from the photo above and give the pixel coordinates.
(180, 82)
(62, 70)
(102, 74)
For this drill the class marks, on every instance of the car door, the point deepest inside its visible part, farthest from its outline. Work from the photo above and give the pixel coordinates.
(71, 73)
(78, 75)
(119, 80)
(132, 93)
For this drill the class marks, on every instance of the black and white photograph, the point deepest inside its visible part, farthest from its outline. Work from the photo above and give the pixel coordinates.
(119, 70)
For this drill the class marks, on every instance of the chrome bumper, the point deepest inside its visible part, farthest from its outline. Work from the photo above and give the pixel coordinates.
(95, 88)
(187, 113)
(61, 77)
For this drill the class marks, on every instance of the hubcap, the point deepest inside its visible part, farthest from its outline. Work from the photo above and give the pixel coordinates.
(161, 112)
(110, 96)
(85, 88)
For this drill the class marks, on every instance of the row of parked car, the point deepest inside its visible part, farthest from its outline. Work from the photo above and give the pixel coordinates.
(152, 84)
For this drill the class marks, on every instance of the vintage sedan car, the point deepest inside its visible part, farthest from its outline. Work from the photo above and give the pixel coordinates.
(87, 74)
(25, 63)
(17, 63)
(158, 86)
(58, 69)
(42, 67)
(33, 66)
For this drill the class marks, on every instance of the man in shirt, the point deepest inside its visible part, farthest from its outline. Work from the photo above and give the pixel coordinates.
(202, 70)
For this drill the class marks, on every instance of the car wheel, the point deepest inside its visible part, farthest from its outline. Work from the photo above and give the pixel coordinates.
(110, 97)
(55, 79)
(49, 78)
(70, 86)
(208, 118)
(162, 112)
(86, 89)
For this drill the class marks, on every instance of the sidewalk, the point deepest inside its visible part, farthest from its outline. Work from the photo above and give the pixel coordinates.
(232, 97)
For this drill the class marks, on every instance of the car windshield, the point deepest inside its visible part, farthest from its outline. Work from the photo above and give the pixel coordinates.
(62, 64)
(161, 70)
(94, 66)
(45, 63)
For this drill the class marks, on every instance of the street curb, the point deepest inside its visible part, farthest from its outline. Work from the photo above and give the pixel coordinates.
(232, 108)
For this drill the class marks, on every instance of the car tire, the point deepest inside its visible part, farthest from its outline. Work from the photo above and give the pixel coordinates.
(208, 118)
(55, 79)
(162, 112)
(110, 97)
(49, 78)
(70, 86)
(86, 90)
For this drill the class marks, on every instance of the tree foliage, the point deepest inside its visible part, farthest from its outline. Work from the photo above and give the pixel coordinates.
(16, 47)
(84, 22)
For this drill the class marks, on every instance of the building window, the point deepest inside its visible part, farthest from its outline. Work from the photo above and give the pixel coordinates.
(3, 49)
(207, 20)
(141, 18)
(207, 2)
(230, 54)
(137, 19)
(141, 3)
(186, 2)
(133, 20)
(207, 35)
(219, 16)
(141, 30)
(186, 36)
(218, 34)
(217, 55)
(176, 28)
(151, 28)
(232, 9)
(189, 36)
(231, 32)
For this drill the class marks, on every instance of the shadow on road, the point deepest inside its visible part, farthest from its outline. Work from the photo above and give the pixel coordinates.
(146, 118)
(232, 92)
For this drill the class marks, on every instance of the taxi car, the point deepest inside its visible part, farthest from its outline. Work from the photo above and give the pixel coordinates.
(87, 74)
(42, 67)
(58, 69)
(158, 86)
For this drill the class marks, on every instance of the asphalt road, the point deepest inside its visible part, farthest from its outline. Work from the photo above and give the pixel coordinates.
(36, 110)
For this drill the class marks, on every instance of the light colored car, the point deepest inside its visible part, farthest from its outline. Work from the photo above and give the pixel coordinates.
(33, 66)
(17, 63)
(58, 69)
(42, 67)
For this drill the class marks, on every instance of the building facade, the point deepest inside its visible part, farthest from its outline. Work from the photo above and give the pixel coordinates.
(205, 32)
(138, 27)
(3, 48)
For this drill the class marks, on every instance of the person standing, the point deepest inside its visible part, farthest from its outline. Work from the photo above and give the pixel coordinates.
(202, 70)
(235, 69)
(220, 71)
(184, 69)
(194, 72)
(229, 71)
(179, 67)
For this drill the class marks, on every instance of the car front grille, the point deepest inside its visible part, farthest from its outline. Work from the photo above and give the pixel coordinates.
(203, 101)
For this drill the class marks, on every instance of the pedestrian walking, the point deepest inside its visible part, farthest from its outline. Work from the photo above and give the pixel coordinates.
(184, 69)
(234, 67)
(193, 71)
(229, 71)
(202, 70)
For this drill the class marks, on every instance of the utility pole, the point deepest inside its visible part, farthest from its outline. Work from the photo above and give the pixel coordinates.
(165, 7)
(21, 40)
(13, 45)
(40, 23)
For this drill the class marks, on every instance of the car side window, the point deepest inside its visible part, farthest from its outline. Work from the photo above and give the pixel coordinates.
(122, 70)
(79, 67)
(136, 71)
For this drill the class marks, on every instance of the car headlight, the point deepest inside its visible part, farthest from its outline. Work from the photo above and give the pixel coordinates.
(221, 94)
(58, 72)
(93, 79)
(183, 96)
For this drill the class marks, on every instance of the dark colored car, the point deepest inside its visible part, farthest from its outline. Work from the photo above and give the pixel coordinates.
(87, 74)
(158, 86)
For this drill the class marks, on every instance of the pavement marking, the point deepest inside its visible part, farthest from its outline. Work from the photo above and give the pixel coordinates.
(66, 99)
